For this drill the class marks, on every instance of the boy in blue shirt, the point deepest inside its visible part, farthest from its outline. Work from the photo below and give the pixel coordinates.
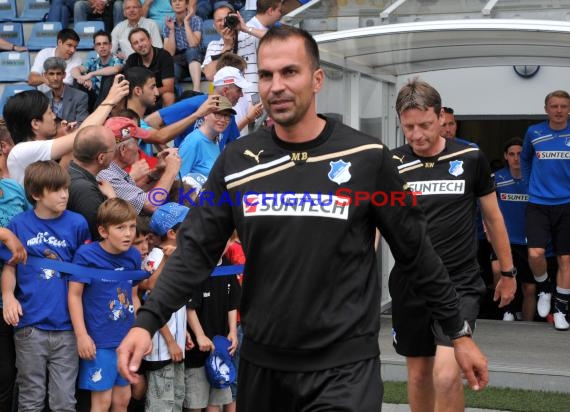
(102, 311)
(35, 298)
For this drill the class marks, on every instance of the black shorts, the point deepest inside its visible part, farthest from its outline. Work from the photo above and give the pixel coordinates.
(548, 222)
(355, 387)
(520, 261)
(414, 331)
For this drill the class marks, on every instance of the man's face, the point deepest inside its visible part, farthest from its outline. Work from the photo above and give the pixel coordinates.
(132, 10)
(233, 93)
(448, 125)
(149, 93)
(140, 43)
(66, 49)
(422, 130)
(513, 157)
(129, 151)
(219, 16)
(46, 128)
(54, 78)
(557, 110)
(110, 145)
(102, 46)
(287, 81)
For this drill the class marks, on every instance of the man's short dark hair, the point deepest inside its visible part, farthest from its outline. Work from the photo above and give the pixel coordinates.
(448, 110)
(264, 5)
(515, 141)
(417, 94)
(67, 34)
(102, 33)
(137, 77)
(20, 110)
(284, 33)
(138, 30)
(54, 63)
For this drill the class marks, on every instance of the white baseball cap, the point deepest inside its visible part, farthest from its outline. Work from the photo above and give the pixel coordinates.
(230, 75)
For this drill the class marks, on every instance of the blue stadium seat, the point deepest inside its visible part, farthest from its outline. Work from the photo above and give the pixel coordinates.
(209, 33)
(85, 30)
(14, 66)
(13, 32)
(34, 10)
(44, 34)
(7, 10)
(11, 90)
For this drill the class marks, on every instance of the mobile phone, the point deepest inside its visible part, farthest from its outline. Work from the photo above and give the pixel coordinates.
(254, 98)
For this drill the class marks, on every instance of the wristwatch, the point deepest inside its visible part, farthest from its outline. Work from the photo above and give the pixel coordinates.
(510, 273)
(464, 331)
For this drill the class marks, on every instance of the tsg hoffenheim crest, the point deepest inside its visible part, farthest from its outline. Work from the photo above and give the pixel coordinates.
(456, 167)
(567, 142)
(339, 171)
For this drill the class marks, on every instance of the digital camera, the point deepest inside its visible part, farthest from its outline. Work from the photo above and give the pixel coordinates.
(231, 21)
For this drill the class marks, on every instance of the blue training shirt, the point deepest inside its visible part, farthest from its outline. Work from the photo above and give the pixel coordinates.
(545, 164)
(107, 303)
(512, 195)
(184, 108)
(42, 293)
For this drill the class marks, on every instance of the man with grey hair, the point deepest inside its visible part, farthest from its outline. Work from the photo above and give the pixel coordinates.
(67, 103)
(93, 150)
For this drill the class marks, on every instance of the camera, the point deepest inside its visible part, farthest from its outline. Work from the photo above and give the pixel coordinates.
(231, 21)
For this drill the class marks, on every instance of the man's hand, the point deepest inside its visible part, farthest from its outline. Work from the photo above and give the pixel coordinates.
(505, 290)
(107, 189)
(175, 352)
(204, 343)
(118, 91)
(472, 362)
(232, 337)
(130, 352)
(19, 254)
(169, 23)
(209, 106)
(139, 169)
(189, 342)
(172, 161)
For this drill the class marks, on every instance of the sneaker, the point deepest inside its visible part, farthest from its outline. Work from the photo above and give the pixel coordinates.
(560, 322)
(508, 317)
(543, 305)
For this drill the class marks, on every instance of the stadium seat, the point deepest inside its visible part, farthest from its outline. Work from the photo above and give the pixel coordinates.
(12, 32)
(11, 90)
(209, 33)
(7, 10)
(44, 34)
(14, 66)
(34, 10)
(85, 30)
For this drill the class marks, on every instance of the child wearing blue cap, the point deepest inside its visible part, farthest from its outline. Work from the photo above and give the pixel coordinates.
(164, 366)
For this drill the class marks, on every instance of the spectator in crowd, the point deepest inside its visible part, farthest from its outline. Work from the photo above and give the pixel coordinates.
(156, 60)
(512, 195)
(34, 298)
(126, 154)
(449, 126)
(165, 364)
(158, 10)
(199, 150)
(6, 45)
(110, 12)
(67, 41)
(31, 123)
(66, 102)
(62, 11)
(12, 202)
(134, 19)
(93, 150)
(102, 309)
(182, 39)
(142, 97)
(96, 74)
(544, 165)
(301, 343)
(228, 82)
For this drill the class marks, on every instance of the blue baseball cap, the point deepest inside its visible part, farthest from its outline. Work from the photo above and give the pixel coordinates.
(220, 370)
(166, 217)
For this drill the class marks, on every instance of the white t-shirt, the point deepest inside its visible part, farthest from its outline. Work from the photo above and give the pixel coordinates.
(176, 323)
(120, 35)
(25, 153)
(44, 54)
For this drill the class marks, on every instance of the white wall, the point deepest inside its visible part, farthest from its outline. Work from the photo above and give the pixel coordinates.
(494, 90)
